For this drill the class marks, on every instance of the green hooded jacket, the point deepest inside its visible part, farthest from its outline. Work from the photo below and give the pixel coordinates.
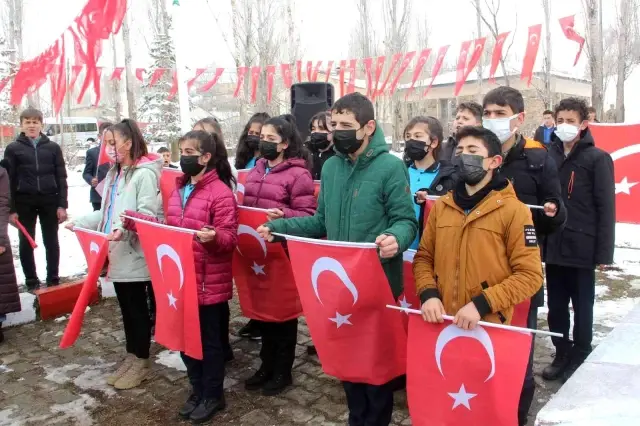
(360, 201)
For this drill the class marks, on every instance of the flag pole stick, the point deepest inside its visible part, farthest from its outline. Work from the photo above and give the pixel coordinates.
(484, 323)
(531, 206)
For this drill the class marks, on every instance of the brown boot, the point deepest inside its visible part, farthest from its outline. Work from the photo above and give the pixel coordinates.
(124, 366)
(134, 375)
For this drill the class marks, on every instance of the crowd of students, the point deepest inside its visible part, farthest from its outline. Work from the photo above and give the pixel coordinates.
(479, 248)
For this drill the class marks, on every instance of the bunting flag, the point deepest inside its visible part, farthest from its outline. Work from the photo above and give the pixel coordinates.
(285, 69)
(174, 86)
(117, 73)
(271, 71)
(299, 71)
(343, 65)
(394, 62)
(309, 70)
(422, 59)
(329, 68)
(497, 55)
(156, 76)
(533, 43)
(403, 67)
(352, 76)
(567, 23)
(98, 75)
(478, 49)
(316, 70)
(378, 73)
(460, 68)
(255, 77)
(199, 72)
(140, 74)
(75, 73)
(59, 82)
(436, 68)
(368, 64)
(242, 72)
(213, 81)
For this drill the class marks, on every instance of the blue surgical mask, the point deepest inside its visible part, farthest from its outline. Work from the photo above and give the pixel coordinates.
(501, 127)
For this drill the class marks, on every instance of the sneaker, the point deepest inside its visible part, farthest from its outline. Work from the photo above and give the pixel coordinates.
(124, 366)
(207, 409)
(250, 331)
(277, 385)
(258, 380)
(189, 406)
(557, 368)
(32, 284)
(134, 375)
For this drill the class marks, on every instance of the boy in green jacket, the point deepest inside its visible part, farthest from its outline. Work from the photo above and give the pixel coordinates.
(364, 197)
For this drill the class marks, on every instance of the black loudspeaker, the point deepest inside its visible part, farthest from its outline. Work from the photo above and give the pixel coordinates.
(308, 99)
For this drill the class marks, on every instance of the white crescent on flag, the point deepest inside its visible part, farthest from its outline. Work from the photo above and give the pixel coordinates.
(330, 264)
(93, 247)
(533, 38)
(165, 250)
(453, 331)
(625, 152)
(244, 229)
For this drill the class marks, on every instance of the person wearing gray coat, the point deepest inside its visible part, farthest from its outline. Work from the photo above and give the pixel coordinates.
(9, 296)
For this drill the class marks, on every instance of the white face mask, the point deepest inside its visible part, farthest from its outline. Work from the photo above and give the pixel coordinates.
(501, 127)
(567, 132)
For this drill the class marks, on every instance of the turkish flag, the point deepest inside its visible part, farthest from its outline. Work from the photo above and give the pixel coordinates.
(368, 64)
(458, 377)
(462, 64)
(95, 247)
(242, 72)
(476, 54)
(271, 71)
(343, 291)
(117, 73)
(395, 59)
(208, 85)
(328, 74)
(174, 86)
(285, 70)
(497, 55)
(316, 189)
(168, 182)
(199, 72)
(408, 57)
(409, 299)
(422, 59)
(622, 142)
(567, 23)
(442, 52)
(169, 255)
(530, 55)
(156, 76)
(242, 179)
(262, 273)
(255, 77)
(140, 74)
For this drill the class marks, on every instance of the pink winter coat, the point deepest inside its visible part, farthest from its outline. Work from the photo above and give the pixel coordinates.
(211, 204)
(288, 187)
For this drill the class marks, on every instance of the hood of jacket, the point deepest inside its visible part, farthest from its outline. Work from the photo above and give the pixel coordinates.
(22, 138)
(261, 165)
(377, 145)
(151, 162)
(585, 141)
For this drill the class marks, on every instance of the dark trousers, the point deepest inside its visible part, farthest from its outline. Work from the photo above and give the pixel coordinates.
(577, 285)
(132, 298)
(529, 385)
(152, 302)
(28, 215)
(207, 376)
(278, 350)
(96, 206)
(224, 331)
(369, 405)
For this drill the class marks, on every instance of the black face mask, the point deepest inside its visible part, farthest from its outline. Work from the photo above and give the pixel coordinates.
(415, 149)
(319, 141)
(470, 168)
(269, 150)
(253, 142)
(190, 166)
(346, 141)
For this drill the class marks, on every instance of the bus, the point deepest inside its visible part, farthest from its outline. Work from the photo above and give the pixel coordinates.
(80, 131)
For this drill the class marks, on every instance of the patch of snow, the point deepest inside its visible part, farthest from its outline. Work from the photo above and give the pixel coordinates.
(171, 359)
(5, 369)
(61, 319)
(627, 235)
(77, 410)
(58, 334)
(87, 309)
(92, 377)
(27, 314)
(627, 259)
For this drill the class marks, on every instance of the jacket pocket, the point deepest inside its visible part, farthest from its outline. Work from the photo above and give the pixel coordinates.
(578, 246)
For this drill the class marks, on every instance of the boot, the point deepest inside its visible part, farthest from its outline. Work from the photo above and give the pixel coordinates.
(207, 409)
(560, 363)
(277, 384)
(189, 406)
(124, 366)
(258, 380)
(576, 359)
(134, 375)
(250, 331)
(32, 284)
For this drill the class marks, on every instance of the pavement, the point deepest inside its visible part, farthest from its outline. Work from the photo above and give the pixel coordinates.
(41, 384)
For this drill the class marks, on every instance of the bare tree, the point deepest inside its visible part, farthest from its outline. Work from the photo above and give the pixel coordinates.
(627, 32)
(131, 99)
(115, 86)
(595, 52)
(490, 19)
(480, 63)
(548, 96)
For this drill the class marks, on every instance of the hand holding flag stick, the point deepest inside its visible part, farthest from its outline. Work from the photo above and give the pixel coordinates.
(484, 323)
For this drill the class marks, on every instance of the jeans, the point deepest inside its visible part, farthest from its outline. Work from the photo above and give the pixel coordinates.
(28, 215)
(132, 298)
(369, 405)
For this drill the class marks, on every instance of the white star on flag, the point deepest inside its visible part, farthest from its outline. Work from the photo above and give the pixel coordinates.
(172, 300)
(258, 269)
(340, 320)
(625, 186)
(462, 398)
(404, 304)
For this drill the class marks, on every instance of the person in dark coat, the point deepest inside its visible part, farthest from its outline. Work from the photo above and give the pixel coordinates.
(544, 132)
(38, 181)
(320, 142)
(93, 173)
(467, 114)
(587, 240)
(9, 297)
(534, 176)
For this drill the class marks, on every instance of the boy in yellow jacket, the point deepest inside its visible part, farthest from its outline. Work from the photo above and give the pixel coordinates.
(479, 255)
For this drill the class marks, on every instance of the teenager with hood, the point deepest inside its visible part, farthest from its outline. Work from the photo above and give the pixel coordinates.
(320, 142)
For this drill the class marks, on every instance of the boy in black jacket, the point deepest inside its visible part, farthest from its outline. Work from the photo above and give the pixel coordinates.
(38, 179)
(94, 173)
(587, 240)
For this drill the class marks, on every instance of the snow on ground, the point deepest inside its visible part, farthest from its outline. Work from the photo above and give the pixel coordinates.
(93, 378)
(171, 359)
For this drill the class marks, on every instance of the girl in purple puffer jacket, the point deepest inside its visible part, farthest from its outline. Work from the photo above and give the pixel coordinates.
(280, 182)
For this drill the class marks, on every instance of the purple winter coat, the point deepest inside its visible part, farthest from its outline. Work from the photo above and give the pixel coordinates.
(288, 187)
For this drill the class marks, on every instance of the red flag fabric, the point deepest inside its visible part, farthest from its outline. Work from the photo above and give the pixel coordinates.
(329, 68)
(378, 74)
(497, 55)
(255, 76)
(169, 255)
(316, 70)
(394, 62)
(168, 182)
(343, 291)
(199, 72)
(95, 247)
(422, 59)
(567, 23)
(352, 76)
(316, 188)
(368, 64)
(343, 65)
(459, 377)
(622, 142)
(285, 70)
(462, 63)
(75, 72)
(271, 71)
(408, 57)
(309, 70)
(98, 76)
(476, 54)
(140, 74)
(208, 85)
(242, 72)
(530, 55)
(242, 179)
(436, 68)
(262, 273)
(117, 73)
(174, 86)
(156, 76)
(299, 71)
(521, 314)
(103, 158)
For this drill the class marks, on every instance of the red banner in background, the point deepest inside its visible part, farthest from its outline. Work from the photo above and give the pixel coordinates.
(436, 67)
(497, 55)
(262, 273)
(168, 183)
(242, 179)
(531, 53)
(622, 142)
(255, 77)
(242, 72)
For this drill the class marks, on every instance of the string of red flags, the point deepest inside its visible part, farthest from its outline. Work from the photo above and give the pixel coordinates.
(100, 18)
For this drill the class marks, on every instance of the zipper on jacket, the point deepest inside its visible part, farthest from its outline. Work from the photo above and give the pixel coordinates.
(259, 189)
(37, 167)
